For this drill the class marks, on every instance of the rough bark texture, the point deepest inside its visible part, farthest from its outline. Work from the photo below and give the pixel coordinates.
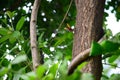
(89, 27)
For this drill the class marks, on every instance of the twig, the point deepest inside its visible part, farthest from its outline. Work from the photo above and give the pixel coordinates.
(33, 35)
(65, 14)
(112, 65)
(56, 31)
(82, 56)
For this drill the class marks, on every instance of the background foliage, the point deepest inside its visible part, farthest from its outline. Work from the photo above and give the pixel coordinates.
(53, 39)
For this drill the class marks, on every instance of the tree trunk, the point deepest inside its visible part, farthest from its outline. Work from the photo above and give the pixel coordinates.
(89, 27)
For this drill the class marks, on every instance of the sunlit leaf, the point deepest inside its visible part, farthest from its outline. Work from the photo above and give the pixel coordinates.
(3, 71)
(63, 70)
(96, 49)
(113, 65)
(4, 31)
(16, 76)
(112, 58)
(15, 35)
(49, 77)
(19, 59)
(20, 23)
(75, 76)
(116, 38)
(53, 69)
(29, 76)
(12, 39)
(87, 76)
(60, 40)
(40, 71)
(108, 33)
(22, 70)
(4, 38)
(109, 46)
(10, 14)
(103, 47)
(81, 65)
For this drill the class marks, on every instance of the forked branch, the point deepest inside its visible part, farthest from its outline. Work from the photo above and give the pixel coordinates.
(82, 56)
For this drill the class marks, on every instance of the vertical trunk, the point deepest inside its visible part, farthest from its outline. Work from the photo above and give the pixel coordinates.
(89, 27)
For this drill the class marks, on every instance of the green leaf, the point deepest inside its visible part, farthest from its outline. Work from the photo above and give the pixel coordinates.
(3, 71)
(110, 54)
(60, 41)
(19, 59)
(115, 77)
(41, 43)
(108, 33)
(63, 70)
(116, 38)
(75, 76)
(87, 76)
(104, 77)
(49, 77)
(16, 76)
(12, 39)
(10, 14)
(4, 38)
(20, 23)
(103, 47)
(4, 31)
(40, 71)
(29, 76)
(112, 58)
(64, 38)
(4, 21)
(46, 50)
(15, 35)
(109, 46)
(22, 70)
(81, 65)
(40, 37)
(113, 65)
(4, 62)
(96, 49)
(53, 69)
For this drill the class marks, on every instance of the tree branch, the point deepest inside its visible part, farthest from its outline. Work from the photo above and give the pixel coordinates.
(82, 56)
(65, 14)
(33, 35)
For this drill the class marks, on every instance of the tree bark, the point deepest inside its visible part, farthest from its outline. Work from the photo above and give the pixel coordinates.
(33, 36)
(89, 27)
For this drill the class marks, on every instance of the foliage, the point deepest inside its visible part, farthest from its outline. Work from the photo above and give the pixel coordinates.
(105, 46)
(115, 7)
(16, 61)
